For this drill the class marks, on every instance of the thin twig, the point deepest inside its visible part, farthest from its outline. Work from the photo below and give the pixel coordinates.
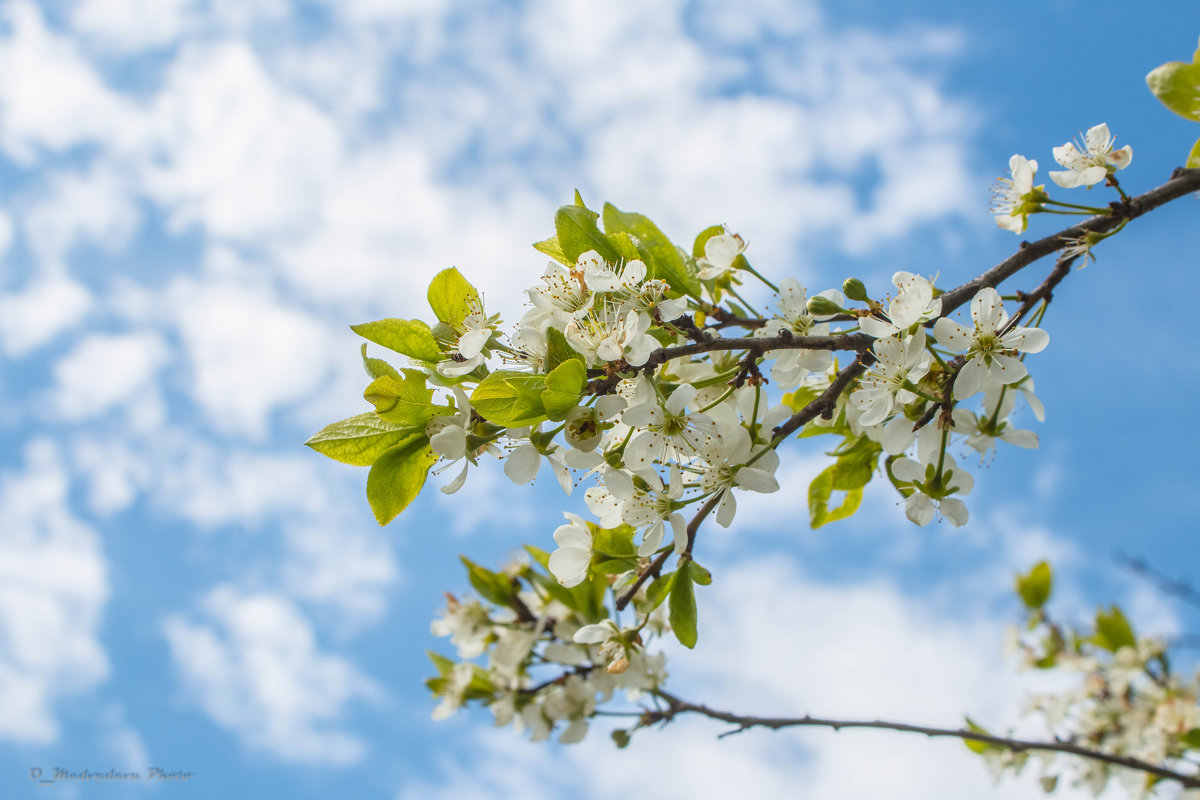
(655, 566)
(677, 706)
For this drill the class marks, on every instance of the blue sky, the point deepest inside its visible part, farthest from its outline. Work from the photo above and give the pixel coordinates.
(197, 197)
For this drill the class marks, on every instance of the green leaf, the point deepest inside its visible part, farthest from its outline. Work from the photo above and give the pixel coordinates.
(405, 402)
(614, 566)
(621, 737)
(974, 745)
(1193, 160)
(702, 239)
(1113, 630)
(511, 399)
(699, 574)
(664, 261)
(451, 296)
(377, 367)
(656, 592)
(625, 246)
(558, 350)
(819, 493)
(360, 439)
(552, 248)
(409, 337)
(563, 387)
(1177, 86)
(1191, 739)
(682, 609)
(397, 476)
(1035, 587)
(616, 542)
(494, 587)
(855, 464)
(578, 233)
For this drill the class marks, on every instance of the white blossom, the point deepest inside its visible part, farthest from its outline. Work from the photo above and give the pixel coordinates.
(569, 563)
(899, 363)
(991, 356)
(1092, 161)
(1015, 198)
(720, 252)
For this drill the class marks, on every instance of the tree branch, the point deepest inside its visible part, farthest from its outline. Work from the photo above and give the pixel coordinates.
(655, 566)
(677, 706)
(1183, 181)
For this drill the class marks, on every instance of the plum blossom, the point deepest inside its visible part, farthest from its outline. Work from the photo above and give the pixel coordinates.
(792, 365)
(668, 431)
(900, 362)
(561, 298)
(729, 469)
(1015, 198)
(448, 438)
(569, 563)
(467, 351)
(649, 509)
(933, 490)
(991, 350)
(1092, 161)
(913, 304)
(604, 277)
(523, 463)
(720, 252)
(608, 334)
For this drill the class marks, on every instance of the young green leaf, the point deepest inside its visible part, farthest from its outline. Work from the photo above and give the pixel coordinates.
(377, 367)
(1113, 630)
(360, 439)
(552, 248)
(495, 587)
(665, 261)
(578, 233)
(1035, 586)
(405, 402)
(409, 337)
(397, 476)
(563, 387)
(451, 296)
(819, 493)
(682, 608)
(511, 399)
(1177, 86)
(558, 350)
(614, 542)
(699, 574)
(656, 592)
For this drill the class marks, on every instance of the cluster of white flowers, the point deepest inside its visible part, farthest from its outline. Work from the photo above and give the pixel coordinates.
(547, 670)
(903, 377)
(1088, 163)
(1126, 701)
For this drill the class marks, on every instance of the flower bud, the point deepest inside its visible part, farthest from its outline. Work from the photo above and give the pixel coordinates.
(822, 306)
(854, 290)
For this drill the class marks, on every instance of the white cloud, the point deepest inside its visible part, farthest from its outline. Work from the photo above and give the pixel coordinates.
(52, 98)
(255, 667)
(103, 371)
(237, 153)
(46, 307)
(6, 233)
(249, 353)
(95, 207)
(53, 587)
(132, 25)
(210, 485)
(342, 566)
